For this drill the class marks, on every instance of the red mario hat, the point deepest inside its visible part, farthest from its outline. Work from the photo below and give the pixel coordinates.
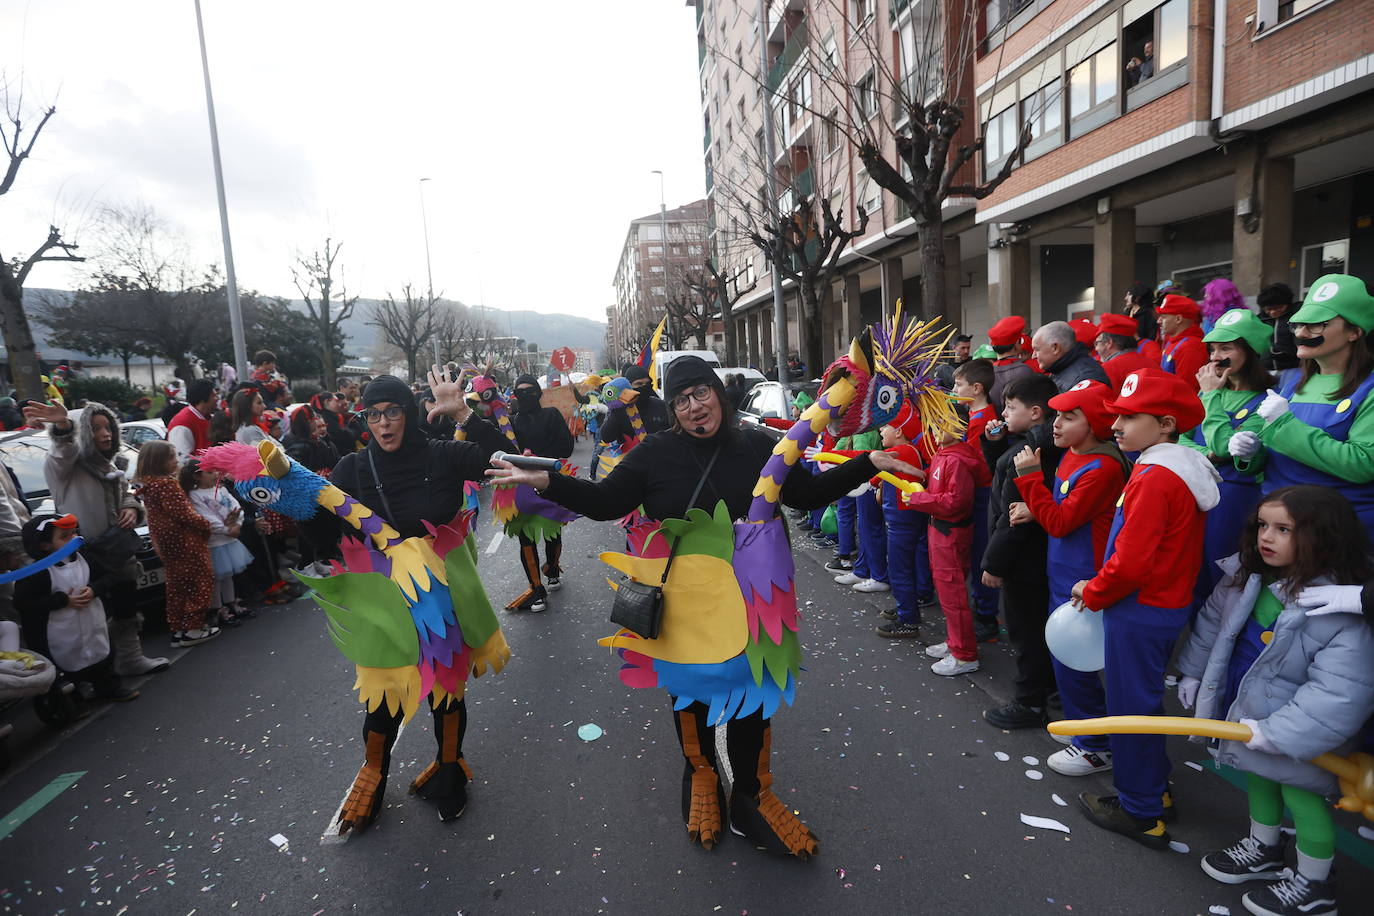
(1175, 304)
(908, 423)
(1090, 397)
(1007, 331)
(1084, 330)
(1113, 323)
(1159, 394)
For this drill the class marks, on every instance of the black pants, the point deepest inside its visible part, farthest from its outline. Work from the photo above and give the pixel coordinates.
(319, 537)
(1026, 607)
(743, 747)
(529, 558)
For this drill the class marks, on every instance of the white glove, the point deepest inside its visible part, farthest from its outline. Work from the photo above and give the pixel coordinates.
(1244, 445)
(811, 451)
(860, 490)
(1258, 740)
(1332, 599)
(1187, 691)
(1273, 406)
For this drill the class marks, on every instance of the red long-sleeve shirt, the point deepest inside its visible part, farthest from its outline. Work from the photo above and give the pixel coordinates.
(1158, 551)
(955, 471)
(1187, 352)
(1091, 499)
(978, 421)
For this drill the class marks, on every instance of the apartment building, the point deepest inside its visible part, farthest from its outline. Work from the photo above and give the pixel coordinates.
(1182, 140)
(649, 270)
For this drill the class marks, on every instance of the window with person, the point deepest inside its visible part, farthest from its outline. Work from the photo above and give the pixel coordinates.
(1155, 41)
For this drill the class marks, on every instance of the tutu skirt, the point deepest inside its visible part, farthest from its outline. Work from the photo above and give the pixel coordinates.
(230, 559)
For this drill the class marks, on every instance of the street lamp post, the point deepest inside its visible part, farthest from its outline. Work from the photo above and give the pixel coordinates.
(429, 270)
(766, 99)
(663, 230)
(230, 282)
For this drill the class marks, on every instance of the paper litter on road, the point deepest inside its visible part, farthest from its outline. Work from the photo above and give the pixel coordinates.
(589, 732)
(278, 841)
(1217, 909)
(1176, 846)
(1045, 823)
(1031, 761)
(1001, 756)
(1194, 764)
(495, 543)
(1059, 801)
(1034, 774)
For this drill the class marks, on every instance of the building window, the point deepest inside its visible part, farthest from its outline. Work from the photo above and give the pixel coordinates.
(654, 251)
(659, 291)
(830, 56)
(656, 268)
(1290, 8)
(996, 12)
(1093, 82)
(1043, 110)
(866, 96)
(831, 133)
(1155, 42)
(1323, 259)
(999, 139)
(863, 11)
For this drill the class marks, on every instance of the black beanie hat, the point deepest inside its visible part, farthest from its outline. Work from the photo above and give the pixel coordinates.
(635, 373)
(388, 388)
(688, 372)
(527, 379)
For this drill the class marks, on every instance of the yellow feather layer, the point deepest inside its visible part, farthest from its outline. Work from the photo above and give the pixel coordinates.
(398, 688)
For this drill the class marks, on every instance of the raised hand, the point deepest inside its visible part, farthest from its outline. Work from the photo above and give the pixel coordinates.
(46, 413)
(448, 397)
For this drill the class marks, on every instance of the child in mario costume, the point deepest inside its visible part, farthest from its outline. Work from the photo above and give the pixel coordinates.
(1145, 588)
(1184, 353)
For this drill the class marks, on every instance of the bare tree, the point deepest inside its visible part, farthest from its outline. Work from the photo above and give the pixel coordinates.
(314, 278)
(407, 325)
(23, 354)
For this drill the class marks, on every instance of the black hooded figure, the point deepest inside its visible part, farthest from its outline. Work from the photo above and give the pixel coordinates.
(652, 410)
(544, 432)
(408, 483)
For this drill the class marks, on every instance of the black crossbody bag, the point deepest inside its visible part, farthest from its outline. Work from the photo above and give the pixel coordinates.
(638, 606)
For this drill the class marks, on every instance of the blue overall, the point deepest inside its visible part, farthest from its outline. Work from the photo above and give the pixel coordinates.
(871, 561)
(1166, 357)
(1226, 523)
(1070, 560)
(844, 526)
(1140, 640)
(908, 557)
(1335, 420)
(985, 599)
(1249, 645)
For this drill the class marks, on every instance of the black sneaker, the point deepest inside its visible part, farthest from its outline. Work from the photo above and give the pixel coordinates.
(985, 629)
(889, 614)
(1016, 715)
(553, 583)
(1248, 860)
(1296, 895)
(899, 630)
(1106, 812)
(535, 600)
(840, 564)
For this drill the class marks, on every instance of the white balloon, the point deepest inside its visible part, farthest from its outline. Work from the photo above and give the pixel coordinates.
(1075, 637)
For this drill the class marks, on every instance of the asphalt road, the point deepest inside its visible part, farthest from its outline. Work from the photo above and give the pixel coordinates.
(917, 801)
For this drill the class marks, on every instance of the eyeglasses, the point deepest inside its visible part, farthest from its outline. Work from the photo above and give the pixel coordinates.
(394, 412)
(1313, 327)
(700, 393)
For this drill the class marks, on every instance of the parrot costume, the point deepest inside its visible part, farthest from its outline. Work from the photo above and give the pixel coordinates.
(410, 613)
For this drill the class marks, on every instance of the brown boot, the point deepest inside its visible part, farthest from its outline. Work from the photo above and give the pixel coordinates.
(755, 811)
(364, 800)
(702, 800)
(533, 598)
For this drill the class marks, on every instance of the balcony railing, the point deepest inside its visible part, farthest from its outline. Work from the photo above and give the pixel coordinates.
(790, 52)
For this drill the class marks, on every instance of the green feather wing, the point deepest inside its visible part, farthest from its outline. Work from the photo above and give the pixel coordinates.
(712, 535)
(470, 603)
(369, 619)
(779, 660)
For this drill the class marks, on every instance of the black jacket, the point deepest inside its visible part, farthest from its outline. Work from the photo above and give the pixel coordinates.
(420, 482)
(661, 472)
(316, 454)
(1076, 366)
(543, 431)
(35, 599)
(652, 411)
(1283, 346)
(1018, 552)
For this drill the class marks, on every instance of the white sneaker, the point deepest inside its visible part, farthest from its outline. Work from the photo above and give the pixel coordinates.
(939, 650)
(848, 578)
(1074, 761)
(949, 666)
(871, 585)
(1062, 739)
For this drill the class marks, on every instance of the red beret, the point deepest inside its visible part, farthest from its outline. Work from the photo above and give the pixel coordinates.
(1160, 394)
(1113, 323)
(1007, 331)
(908, 422)
(1174, 304)
(1091, 397)
(1084, 330)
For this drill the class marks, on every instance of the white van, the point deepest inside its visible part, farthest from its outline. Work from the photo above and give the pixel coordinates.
(664, 357)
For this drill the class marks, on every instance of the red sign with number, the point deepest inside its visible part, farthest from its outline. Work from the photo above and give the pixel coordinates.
(563, 359)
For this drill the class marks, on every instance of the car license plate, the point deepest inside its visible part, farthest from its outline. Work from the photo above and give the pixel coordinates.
(150, 577)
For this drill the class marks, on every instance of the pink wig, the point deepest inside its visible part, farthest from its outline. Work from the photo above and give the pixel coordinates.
(1218, 298)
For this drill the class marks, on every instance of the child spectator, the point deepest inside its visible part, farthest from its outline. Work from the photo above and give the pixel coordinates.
(973, 380)
(181, 538)
(1183, 352)
(907, 557)
(61, 611)
(870, 555)
(1076, 512)
(845, 543)
(1015, 558)
(1145, 588)
(228, 557)
(1310, 692)
(957, 468)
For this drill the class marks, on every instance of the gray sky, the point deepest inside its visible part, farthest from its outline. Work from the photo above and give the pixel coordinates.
(538, 123)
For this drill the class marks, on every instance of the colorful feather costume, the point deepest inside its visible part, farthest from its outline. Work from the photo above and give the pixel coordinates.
(729, 637)
(410, 613)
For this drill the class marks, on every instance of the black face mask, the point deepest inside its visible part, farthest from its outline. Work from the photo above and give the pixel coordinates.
(528, 397)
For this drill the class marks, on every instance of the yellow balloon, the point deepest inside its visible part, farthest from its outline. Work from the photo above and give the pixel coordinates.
(906, 486)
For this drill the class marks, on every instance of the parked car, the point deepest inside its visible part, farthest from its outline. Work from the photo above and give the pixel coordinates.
(24, 453)
(768, 406)
(751, 376)
(134, 432)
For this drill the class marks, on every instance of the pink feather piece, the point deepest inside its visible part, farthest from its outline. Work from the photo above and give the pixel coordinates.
(638, 537)
(239, 461)
(638, 670)
(452, 535)
(777, 611)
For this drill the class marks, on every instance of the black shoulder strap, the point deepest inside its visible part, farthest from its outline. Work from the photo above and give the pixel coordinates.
(690, 503)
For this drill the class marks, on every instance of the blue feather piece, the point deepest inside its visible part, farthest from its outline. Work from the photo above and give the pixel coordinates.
(727, 688)
(432, 609)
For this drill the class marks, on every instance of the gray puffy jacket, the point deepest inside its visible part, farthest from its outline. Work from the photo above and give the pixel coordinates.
(1311, 689)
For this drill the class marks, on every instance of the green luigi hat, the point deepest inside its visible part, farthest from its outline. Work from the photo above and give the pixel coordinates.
(1241, 324)
(984, 352)
(1337, 294)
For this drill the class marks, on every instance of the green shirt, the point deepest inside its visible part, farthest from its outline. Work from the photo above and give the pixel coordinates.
(1352, 460)
(1222, 405)
(868, 441)
(1267, 606)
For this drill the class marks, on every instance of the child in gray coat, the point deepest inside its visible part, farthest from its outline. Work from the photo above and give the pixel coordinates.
(1302, 682)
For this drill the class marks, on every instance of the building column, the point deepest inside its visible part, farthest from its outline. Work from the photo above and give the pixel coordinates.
(751, 326)
(954, 284)
(1009, 280)
(1262, 235)
(1113, 256)
(892, 286)
(766, 339)
(829, 320)
(851, 322)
